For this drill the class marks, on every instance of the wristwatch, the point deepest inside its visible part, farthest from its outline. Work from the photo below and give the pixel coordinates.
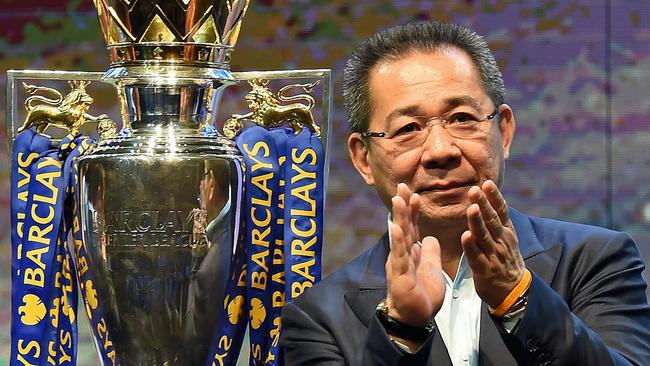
(401, 330)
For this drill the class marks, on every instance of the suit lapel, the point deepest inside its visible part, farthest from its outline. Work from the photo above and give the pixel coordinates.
(372, 286)
(542, 259)
(493, 350)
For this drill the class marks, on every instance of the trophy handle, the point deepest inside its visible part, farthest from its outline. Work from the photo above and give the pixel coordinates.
(43, 111)
(321, 124)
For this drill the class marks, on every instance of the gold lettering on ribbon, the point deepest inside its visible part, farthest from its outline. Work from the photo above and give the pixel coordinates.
(38, 235)
(275, 336)
(303, 268)
(65, 339)
(298, 288)
(260, 145)
(259, 233)
(241, 282)
(304, 233)
(102, 332)
(278, 260)
(256, 350)
(279, 299)
(224, 343)
(19, 227)
(34, 276)
(260, 181)
(47, 180)
(26, 350)
(51, 353)
(24, 163)
(258, 280)
(307, 153)
(300, 247)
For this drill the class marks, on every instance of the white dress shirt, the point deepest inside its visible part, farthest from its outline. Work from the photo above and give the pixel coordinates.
(459, 319)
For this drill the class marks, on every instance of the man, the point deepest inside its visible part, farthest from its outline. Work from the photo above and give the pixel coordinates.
(460, 279)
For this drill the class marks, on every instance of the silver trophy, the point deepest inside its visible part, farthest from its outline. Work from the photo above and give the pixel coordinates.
(160, 199)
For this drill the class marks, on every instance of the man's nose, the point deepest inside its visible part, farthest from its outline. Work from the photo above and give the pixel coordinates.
(439, 149)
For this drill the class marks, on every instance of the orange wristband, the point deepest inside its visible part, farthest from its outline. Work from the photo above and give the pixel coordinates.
(513, 296)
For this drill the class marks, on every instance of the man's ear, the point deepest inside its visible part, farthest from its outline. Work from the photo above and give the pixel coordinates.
(507, 126)
(212, 185)
(358, 150)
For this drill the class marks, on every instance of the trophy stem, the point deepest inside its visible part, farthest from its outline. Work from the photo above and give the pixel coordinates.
(178, 97)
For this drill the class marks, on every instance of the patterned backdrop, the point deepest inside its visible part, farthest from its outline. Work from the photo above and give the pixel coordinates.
(577, 74)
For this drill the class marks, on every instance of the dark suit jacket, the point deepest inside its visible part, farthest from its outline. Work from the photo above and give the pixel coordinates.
(587, 306)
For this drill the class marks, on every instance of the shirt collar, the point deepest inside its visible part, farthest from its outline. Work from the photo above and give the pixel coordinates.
(215, 224)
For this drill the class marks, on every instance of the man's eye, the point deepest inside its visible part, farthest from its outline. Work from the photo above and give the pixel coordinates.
(408, 128)
(461, 118)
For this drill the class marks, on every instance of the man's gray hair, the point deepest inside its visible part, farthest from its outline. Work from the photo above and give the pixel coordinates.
(398, 41)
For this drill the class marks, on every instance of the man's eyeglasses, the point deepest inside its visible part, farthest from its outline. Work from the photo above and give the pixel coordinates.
(409, 132)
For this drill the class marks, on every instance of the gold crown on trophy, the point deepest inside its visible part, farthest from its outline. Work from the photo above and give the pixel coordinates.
(185, 32)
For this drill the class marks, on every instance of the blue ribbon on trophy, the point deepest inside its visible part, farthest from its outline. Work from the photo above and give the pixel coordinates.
(283, 202)
(260, 149)
(43, 290)
(277, 287)
(29, 293)
(92, 305)
(44, 276)
(304, 197)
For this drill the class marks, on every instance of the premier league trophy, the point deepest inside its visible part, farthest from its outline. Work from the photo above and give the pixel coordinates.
(158, 204)
(156, 223)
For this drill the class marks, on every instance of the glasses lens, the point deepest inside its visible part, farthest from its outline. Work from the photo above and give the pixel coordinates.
(408, 140)
(467, 130)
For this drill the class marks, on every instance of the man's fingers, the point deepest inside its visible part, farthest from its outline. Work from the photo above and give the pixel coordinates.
(403, 191)
(473, 252)
(430, 261)
(431, 251)
(401, 217)
(497, 201)
(414, 204)
(480, 233)
(405, 213)
(469, 245)
(399, 256)
(416, 254)
(490, 216)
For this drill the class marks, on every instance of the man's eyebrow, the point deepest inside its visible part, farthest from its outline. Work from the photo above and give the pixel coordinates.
(412, 110)
(451, 102)
(454, 102)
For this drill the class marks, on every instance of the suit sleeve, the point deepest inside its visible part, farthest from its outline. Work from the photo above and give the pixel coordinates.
(306, 342)
(606, 320)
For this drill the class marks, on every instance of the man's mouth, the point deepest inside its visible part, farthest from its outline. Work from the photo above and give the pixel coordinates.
(445, 186)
